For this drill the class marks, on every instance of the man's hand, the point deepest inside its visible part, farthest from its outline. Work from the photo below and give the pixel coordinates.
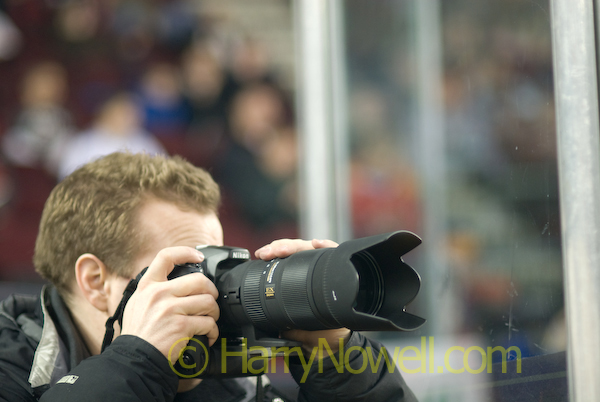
(162, 311)
(310, 339)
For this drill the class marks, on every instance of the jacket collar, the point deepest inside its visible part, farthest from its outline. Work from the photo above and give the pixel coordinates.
(60, 346)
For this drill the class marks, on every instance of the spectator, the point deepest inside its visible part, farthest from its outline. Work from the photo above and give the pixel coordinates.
(165, 111)
(205, 81)
(250, 63)
(118, 127)
(384, 186)
(258, 170)
(43, 126)
(10, 38)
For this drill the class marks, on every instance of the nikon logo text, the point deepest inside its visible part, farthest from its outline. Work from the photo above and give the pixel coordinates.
(240, 255)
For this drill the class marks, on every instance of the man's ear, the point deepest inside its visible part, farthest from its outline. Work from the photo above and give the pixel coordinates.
(92, 275)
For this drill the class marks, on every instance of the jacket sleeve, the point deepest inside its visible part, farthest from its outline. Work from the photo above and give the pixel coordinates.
(12, 391)
(350, 377)
(130, 369)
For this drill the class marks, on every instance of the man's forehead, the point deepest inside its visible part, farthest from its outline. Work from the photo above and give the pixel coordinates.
(168, 224)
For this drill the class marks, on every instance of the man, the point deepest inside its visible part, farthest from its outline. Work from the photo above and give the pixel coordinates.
(101, 226)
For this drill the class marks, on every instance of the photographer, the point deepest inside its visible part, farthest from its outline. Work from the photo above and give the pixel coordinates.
(101, 226)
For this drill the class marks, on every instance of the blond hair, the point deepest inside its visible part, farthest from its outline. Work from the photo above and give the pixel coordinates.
(94, 210)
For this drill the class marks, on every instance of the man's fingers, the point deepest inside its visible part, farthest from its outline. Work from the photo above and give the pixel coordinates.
(282, 248)
(205, 325)
(286, 247)
(166, 259)
(196, 325)
(193, 284)
(200, 305)
(316, 243)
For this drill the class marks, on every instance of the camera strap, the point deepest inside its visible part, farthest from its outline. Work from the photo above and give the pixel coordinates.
(118, 316)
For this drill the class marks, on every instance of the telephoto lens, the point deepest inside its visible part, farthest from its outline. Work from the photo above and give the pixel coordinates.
(362, 285)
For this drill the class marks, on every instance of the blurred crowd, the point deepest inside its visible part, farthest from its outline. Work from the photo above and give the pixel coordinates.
(80, 79)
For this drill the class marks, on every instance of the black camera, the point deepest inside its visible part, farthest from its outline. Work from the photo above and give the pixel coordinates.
(362, 285)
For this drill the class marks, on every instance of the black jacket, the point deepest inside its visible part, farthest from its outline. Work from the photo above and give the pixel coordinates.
(43, 357)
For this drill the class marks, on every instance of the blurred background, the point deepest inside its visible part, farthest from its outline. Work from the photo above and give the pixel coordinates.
(217, 82)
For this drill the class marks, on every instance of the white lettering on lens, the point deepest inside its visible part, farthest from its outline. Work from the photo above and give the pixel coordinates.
(271, 272)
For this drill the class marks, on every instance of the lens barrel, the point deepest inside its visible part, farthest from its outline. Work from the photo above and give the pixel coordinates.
(363, 285)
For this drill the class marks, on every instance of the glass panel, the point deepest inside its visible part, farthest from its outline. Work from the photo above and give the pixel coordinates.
(501, 284)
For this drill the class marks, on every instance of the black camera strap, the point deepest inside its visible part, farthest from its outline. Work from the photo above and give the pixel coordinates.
(118, 316)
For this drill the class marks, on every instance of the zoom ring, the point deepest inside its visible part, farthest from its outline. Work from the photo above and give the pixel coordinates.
(295, 297)
(251, 297)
